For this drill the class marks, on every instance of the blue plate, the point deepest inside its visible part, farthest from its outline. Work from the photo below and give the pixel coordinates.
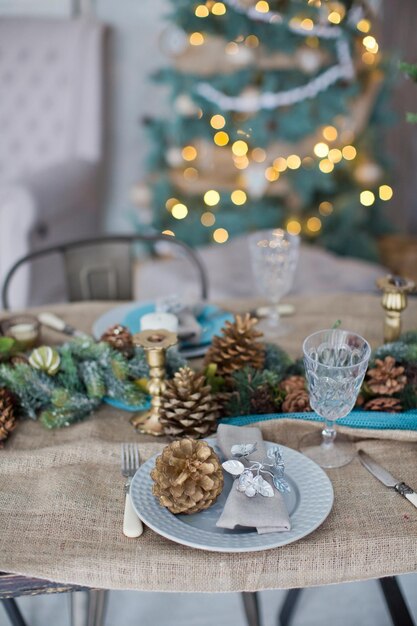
(212, 320)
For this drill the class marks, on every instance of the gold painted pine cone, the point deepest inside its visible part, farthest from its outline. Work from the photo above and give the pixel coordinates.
(237, 347)
(188, 476)
(188, 407)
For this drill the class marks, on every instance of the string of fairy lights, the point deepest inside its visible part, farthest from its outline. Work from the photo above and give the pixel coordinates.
(333, 149)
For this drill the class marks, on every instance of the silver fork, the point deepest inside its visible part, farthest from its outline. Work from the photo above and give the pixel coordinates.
(132, 526)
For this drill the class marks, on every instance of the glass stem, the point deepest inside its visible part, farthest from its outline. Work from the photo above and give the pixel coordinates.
(329, 432)
(273, 317)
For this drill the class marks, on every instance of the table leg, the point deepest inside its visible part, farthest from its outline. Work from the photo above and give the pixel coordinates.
(13, 612)
(88, 608)
(394, 599)
(251, 606)
(288, 607)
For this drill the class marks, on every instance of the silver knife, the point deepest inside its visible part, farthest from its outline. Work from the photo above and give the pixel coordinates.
(386, 478)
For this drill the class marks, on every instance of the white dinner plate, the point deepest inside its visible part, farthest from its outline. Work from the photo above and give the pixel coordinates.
(309, 503)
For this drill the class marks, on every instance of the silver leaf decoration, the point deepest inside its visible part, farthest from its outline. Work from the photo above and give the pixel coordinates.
(243, 449)
(281, 485)
(233, 467)
(245, 484)
(275, 455)
(263, 487)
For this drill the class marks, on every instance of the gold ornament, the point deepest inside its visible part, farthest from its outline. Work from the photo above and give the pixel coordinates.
(237, 347)
(188, 476)
(394, 301)
(188, 407)
(7, 415)
(155, 343)
(45, 359)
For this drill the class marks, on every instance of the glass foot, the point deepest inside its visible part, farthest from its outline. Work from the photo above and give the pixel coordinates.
(336, 454)
(272, 325)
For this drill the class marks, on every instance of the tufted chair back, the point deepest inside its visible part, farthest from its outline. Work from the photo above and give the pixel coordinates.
(50, 100)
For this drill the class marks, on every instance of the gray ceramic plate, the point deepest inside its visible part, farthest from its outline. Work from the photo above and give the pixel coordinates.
(309, 503)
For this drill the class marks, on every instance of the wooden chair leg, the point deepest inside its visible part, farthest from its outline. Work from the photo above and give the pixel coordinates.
(286, 613)
(88, 608)
(251, 606)
(396, 604)
(13, 612)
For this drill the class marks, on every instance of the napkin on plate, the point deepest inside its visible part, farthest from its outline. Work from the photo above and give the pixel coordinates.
(189, 329)
(267, 515)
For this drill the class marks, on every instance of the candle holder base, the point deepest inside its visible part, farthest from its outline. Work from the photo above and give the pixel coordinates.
(147, 423)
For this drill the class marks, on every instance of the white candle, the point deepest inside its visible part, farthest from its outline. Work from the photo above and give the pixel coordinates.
(23, 332)
(156, 321)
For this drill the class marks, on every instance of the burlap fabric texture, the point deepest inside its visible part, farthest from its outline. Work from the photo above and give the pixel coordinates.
(61, 510)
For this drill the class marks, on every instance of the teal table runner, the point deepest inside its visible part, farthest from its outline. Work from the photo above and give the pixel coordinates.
(357, 419)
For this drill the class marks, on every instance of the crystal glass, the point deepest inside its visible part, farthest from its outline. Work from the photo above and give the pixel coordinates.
(335, 363)
(274, 256)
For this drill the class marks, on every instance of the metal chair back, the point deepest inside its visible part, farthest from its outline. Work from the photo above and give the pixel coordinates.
(101, 268)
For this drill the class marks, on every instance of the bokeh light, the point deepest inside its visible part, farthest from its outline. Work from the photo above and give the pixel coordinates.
(189, 153)
(238, 196)
(179, 211)
(367, 198)
(212, 197)
(220, 235)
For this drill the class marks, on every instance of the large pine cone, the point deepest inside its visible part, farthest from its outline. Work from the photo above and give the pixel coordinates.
(292, 383)
(237, 347)
(296, 401)
(188, 407)
(388, 405)
(7, 414)
(386, 378)
(188, 476)
(119, 338)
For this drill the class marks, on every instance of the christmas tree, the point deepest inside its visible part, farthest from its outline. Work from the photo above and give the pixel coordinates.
(276, 121)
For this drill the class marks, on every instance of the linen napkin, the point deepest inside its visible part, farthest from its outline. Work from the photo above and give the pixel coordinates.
(189, 329)
(267, 515)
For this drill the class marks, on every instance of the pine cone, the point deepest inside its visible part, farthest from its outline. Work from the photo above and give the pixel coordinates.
(188, 476)
(223, 398)
(386, 378)
(237, 347)
(296, 401)
(388, 405)
(7, 414)
(119, 338)
(188, 407)
(263, 401)
(292, 384)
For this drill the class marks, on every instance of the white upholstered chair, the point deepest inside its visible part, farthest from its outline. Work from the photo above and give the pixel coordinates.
(50, 138)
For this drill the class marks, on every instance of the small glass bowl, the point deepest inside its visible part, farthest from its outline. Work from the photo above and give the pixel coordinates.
(25, 329)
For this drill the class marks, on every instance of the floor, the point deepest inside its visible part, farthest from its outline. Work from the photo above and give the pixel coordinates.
(353, 604)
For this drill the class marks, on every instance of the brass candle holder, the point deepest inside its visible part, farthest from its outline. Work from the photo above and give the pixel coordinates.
(155, 343)
(394, 301)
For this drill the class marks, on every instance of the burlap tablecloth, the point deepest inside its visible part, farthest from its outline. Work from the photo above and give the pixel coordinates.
(61, 497)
